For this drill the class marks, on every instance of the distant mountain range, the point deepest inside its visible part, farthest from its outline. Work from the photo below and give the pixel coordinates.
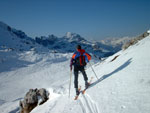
(17, 40)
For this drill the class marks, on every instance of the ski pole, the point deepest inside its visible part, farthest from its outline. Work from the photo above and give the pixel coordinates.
(93, 70)
(70, 82)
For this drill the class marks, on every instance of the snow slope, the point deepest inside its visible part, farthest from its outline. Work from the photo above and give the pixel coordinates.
(14, 39)
(123, 85)
(15, 45)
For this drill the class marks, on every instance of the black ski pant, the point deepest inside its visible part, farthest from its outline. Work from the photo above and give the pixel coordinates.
(76, 73)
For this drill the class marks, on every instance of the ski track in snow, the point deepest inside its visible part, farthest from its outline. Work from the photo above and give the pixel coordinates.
(88, 105)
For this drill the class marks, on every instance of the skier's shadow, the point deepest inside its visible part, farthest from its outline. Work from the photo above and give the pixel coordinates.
(115, 71)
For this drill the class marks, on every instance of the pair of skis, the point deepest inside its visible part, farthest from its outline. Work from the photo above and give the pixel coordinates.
(83, 91)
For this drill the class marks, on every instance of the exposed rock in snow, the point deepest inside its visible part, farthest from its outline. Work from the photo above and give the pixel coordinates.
(31, 99)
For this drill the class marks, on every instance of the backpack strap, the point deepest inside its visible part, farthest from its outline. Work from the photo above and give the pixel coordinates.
(87, 57)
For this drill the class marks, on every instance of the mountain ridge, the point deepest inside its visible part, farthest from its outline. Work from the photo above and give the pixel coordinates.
(63, 44)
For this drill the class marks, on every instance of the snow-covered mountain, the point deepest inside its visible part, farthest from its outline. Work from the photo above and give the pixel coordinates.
(15, 45)
(13, 39)
(116, 43)
(16, 40)
(68, 43)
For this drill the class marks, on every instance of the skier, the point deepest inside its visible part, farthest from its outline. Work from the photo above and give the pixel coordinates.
(79, 60)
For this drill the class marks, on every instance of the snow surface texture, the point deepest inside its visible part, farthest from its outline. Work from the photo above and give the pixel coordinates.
(123, 85)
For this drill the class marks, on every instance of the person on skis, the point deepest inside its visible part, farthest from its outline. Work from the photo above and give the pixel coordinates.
(79, 60)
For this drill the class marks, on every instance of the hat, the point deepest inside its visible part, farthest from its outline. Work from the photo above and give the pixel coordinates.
(78, 47)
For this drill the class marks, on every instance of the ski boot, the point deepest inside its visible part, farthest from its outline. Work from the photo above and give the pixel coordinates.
(77, 91)
(86, 85)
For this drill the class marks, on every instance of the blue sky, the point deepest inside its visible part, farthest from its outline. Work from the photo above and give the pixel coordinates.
(92, 19)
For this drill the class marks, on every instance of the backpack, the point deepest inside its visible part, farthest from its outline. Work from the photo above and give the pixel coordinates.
(80, 58)
(80, 61)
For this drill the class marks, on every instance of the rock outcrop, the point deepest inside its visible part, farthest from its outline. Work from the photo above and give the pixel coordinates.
(31, 99)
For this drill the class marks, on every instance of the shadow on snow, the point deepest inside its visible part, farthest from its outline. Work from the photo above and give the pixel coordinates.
(115, 71)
